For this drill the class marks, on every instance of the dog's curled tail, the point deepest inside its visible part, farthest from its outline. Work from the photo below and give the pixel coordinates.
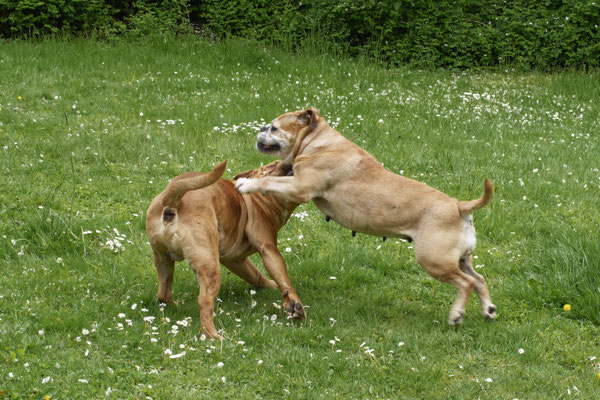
(467, 207)
(176, 189)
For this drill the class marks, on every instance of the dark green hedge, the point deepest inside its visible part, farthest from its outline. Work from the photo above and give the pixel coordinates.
(543, 34)
(99, 18)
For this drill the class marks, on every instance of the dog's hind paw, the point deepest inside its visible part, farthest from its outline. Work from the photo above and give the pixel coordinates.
(456, 316)
(167, 300)
(489, 312)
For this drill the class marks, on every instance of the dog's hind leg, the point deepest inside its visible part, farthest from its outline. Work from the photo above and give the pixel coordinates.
(165, 268)
(208, 274)
(248, 272)
(487, 308)
(464, 284)
(446, 270)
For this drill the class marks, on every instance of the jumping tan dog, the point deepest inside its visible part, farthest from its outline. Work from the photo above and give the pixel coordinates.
(350, 186)
(205, 220)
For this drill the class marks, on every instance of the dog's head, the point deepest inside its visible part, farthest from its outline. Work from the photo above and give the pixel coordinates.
(283, 136)
(276, 168)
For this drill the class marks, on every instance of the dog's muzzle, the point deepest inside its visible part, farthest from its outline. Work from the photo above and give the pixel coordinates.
(267, 148)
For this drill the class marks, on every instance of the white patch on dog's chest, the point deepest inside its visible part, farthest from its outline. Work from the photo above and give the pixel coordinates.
(468, 231)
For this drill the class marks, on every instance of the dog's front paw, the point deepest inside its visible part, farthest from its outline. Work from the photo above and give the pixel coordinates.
(246, 185)
(296, 310)
(293, 307)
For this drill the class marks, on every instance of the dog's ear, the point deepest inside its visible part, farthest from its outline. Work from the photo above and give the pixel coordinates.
(244, 174)
(310, 117)
(276, 168)
(270, 169)
(282, 169)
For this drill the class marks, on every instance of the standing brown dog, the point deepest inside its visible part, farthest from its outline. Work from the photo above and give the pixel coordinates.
(349, 185)
(203, 219)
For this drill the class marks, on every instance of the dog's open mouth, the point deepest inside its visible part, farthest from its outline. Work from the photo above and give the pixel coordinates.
(267, 148)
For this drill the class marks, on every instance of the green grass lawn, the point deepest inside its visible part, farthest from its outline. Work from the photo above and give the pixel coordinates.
(91, 132)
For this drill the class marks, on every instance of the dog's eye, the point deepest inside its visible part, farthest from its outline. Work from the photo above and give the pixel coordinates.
(273, 129)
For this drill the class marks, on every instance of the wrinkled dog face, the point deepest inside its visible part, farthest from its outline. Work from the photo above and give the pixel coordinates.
(277, 139)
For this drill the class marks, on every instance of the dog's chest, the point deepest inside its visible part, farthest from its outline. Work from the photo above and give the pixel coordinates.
(236, 254)
(234, 247)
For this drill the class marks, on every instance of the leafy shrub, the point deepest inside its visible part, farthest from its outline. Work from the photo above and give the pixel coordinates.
(546, 34)
(35, 18)
(542, 34)
(104, 18)
(159, 17)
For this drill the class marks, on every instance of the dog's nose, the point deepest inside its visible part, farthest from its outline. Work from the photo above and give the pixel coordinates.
(264, 128)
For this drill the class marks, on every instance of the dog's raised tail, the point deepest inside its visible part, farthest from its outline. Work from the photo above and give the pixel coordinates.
(176, 189)
(467, 207)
